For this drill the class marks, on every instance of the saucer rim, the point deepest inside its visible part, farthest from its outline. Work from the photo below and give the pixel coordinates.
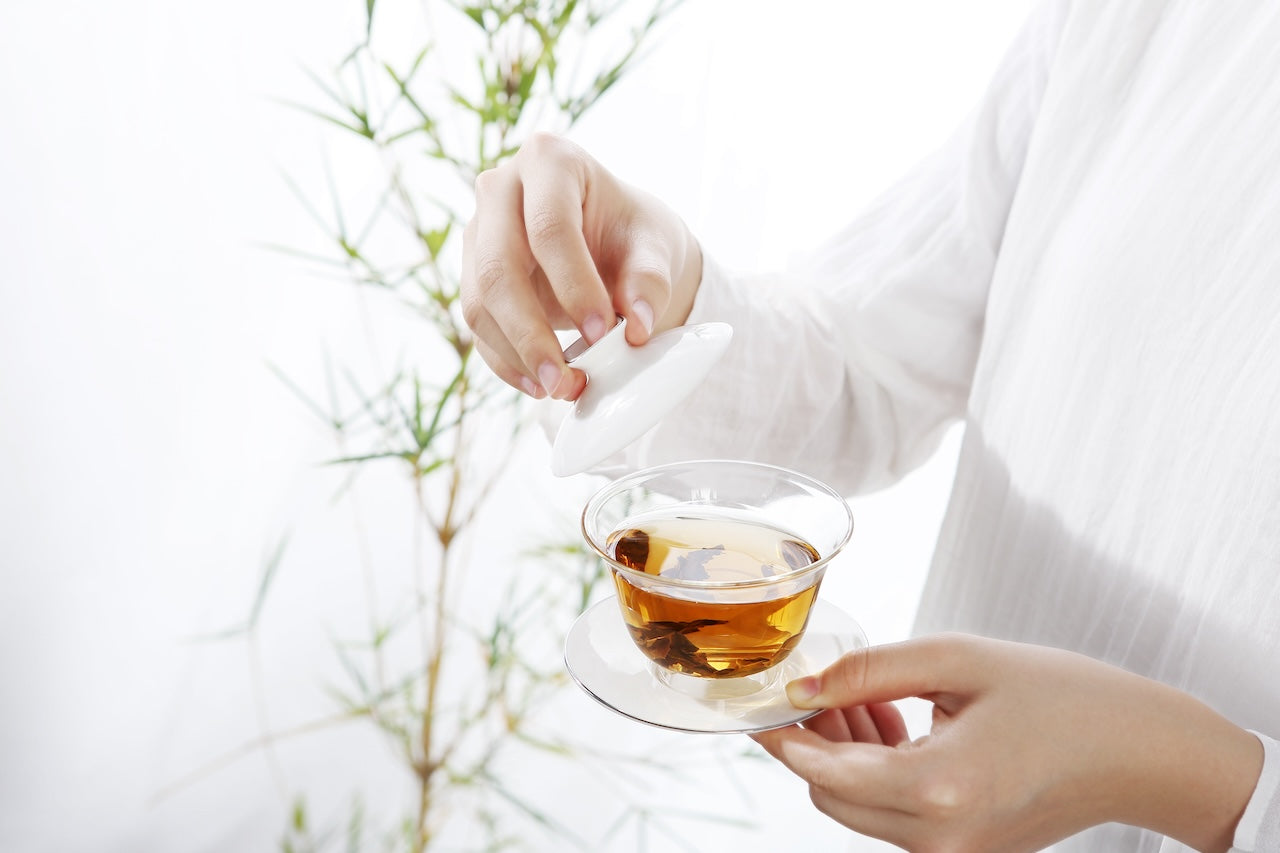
(856, 639)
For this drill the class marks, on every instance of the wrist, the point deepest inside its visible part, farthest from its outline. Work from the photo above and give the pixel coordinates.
(1198, 772)
(684, 284)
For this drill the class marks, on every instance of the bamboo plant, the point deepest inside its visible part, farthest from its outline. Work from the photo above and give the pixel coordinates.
(444, 423)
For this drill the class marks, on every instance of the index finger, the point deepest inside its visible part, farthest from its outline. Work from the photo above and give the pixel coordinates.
(506, 307)
(923, 667)
(553, 225)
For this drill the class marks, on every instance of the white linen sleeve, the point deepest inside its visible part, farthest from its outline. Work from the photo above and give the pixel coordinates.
(1259, 828)
(852, 363)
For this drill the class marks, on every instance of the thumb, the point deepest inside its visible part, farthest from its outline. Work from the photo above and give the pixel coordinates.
(921, 667)
(644, 287)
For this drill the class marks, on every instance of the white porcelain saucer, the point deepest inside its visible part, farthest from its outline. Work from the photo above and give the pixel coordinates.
(605, 663)
(629, 389)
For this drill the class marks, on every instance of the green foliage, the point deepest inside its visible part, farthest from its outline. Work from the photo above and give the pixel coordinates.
(433, 130)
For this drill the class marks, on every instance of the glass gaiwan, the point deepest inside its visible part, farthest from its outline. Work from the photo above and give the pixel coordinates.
(717, 565)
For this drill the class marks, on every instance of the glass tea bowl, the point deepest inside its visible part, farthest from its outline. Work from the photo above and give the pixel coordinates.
(717, 565)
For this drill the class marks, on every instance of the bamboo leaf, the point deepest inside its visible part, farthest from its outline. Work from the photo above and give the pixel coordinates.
(304, 397)
(406, 455)
(417, 61)
(323, 116)
(435, 240)
(537, 816)
(324, 87)
(566, 12)
(311, 257)
(355, 824)
(306, 202)
(561, 749)
(435, 465)
(445, 398)
(264, 585)
(416, 425)
(461, 100)
(428, 123)
(476, 13)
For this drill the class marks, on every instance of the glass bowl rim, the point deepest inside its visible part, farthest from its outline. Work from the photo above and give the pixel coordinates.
(632, 479)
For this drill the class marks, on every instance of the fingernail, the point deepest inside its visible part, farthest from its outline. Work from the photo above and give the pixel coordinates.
(549, 376)
(593, 328)
(802, 690)
(531, 388)
(644, 313)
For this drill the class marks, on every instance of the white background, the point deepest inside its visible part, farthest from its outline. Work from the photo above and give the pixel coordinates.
(149, 460)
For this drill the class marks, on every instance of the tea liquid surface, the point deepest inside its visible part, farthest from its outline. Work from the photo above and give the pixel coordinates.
(708, 635)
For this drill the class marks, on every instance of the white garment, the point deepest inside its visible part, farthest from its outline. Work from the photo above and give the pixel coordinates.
(1089, 276)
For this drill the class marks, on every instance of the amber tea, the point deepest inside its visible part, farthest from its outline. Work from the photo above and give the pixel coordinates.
(708, 632)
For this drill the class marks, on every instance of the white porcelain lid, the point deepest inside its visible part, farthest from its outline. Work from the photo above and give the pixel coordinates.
(630, 388)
